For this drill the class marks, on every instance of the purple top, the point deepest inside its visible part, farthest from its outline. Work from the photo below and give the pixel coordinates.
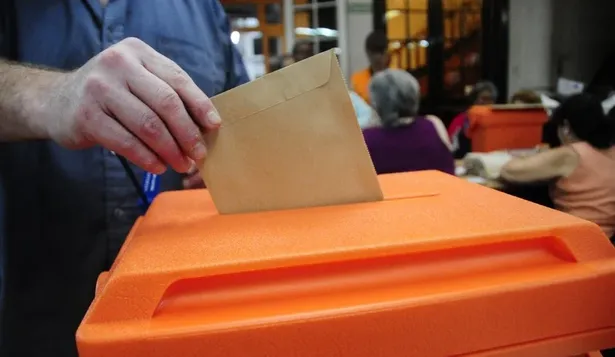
(408, 148)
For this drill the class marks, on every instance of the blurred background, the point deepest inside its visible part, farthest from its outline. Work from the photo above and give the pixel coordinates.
(448, 45)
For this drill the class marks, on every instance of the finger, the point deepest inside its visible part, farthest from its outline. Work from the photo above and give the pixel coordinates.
(167, 104)
(148, 127)
(193, 168)
(198, 104)
(110, 134)
(193, 181)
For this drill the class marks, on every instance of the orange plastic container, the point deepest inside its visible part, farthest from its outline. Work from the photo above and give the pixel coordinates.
(441, 267)
(505, 127)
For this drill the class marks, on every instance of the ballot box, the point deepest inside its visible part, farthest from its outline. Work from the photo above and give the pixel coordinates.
(440, 267)
(502, 127)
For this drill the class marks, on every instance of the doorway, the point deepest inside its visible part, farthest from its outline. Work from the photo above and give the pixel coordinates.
(448, 45)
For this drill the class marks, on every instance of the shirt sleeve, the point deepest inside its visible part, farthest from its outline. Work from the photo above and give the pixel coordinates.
(236, 73)
(5, 44)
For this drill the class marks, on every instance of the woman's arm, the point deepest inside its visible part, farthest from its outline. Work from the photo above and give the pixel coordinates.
(547, 165)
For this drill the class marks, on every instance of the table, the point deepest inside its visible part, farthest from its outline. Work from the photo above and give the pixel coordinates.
(494, 184)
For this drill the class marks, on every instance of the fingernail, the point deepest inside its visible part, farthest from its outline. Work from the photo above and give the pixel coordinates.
(213, 118)
(158, 168)
(193, 167)
(199, 152)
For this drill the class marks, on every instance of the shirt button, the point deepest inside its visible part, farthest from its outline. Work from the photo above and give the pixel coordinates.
(119, 213)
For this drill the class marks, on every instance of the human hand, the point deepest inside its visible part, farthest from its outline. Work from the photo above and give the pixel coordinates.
(134, 101)
(193, 179)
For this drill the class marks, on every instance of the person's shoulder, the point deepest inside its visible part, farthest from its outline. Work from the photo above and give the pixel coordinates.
(373, 135)
(434, 119)
(577, 149)
(440, 130)
(565, 156)
(565, 151)
(459, 119)
(361, 75)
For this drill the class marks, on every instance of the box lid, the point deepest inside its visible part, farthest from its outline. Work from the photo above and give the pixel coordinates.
(439, 260)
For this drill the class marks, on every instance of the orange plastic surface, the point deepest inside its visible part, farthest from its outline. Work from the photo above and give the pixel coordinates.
(501, 129)
(441, 267)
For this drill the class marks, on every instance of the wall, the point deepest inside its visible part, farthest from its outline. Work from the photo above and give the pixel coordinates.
(530, 60)
(360, 24)
(582, 36)
(548, 38)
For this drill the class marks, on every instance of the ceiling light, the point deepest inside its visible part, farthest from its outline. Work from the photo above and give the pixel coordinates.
(235, 36)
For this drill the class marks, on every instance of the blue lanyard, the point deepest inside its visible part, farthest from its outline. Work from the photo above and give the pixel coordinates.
(148, 190)
(151, 188)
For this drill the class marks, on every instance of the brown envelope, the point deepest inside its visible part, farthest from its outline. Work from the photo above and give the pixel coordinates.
(289, 140)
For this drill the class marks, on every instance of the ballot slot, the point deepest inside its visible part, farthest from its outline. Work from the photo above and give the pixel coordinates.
(254, 296)
(488, 276)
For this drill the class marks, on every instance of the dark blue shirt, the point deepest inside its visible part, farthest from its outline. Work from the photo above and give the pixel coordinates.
(65, 214)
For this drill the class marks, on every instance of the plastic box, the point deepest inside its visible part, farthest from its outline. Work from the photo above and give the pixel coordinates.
(441, 267)
(506, 127)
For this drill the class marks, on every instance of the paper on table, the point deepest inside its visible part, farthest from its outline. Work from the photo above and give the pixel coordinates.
(487, 165)
(289, 140)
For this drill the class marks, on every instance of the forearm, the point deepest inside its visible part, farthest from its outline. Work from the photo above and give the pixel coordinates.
(25, 93)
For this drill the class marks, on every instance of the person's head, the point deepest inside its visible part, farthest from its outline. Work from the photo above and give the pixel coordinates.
(601, 92)
(395, 95)
(302, 49)
(483, 93)
(582, 118)
(287, 60)
(376, 47)
(526, 97)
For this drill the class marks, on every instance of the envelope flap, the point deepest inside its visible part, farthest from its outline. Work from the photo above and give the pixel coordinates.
(290, 140)
(274, 88)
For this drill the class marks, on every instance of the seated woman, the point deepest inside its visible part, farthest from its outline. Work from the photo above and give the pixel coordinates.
(405, 141)
(483, 93)
(582, 169)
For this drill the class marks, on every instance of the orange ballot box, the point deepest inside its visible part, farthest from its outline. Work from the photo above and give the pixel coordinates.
(440, 267)
(501, 127)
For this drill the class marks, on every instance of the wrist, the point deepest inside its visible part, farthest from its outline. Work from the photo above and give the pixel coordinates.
(43, 103)
(26, 101)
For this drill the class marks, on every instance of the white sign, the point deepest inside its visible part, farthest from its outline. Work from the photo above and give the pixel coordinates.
(568, 87)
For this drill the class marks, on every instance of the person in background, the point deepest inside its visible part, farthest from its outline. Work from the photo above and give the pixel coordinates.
(366, 115)
(287, 60)
(130, 77)
(302, 49)
(277, 62)
(376, 47)
(405, 141)
(582, 169)
(483, 93)
(525, 97)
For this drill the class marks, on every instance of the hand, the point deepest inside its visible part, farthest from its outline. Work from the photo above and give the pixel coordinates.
(193, 179)
(134, 101)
